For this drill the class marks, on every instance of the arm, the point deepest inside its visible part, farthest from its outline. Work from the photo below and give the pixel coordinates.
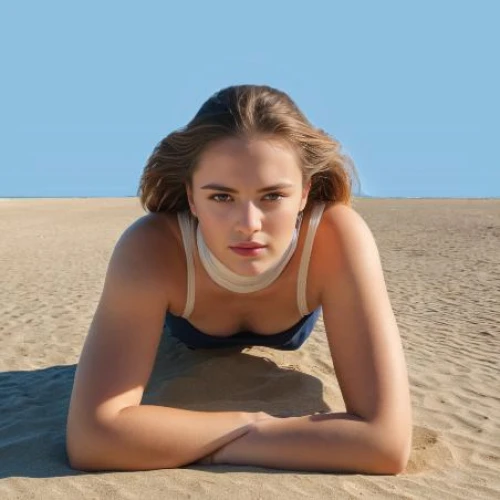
(374, 434)
(107, 428)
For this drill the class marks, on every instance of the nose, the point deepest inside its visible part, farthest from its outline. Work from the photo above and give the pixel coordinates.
(249, 219)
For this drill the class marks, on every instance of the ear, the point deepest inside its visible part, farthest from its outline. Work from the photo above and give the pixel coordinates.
(189, 194)
(305, 194)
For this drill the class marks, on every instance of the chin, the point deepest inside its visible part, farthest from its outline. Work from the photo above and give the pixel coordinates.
(252, 268)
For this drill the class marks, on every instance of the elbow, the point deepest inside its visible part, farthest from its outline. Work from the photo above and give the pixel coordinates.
(98, 453)
(87, 449)
(393, 463)
(72, 446)
(87, 457)
(74, 459)
(391, 439)
(81, 456)
(76, 463)
(393, 453)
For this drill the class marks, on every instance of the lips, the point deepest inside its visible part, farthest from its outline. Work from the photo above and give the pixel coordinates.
(248, 245)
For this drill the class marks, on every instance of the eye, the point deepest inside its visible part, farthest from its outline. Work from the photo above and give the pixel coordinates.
(215, 196)
(279, 195)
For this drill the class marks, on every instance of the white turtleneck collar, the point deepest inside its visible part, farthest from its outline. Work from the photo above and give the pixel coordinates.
(234, 282)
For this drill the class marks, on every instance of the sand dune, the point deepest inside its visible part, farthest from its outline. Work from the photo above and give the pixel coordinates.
(442, 268)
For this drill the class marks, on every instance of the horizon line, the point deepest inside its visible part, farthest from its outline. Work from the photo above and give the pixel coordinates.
(353, 196)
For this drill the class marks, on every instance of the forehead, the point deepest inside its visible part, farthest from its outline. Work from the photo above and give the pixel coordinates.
(232, 152)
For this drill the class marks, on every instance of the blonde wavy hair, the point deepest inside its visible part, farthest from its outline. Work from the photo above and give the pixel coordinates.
(242, 111)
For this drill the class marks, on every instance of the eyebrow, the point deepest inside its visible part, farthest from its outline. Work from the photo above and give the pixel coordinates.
(220, 187)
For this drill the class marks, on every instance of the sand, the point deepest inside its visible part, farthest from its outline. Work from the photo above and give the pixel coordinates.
(442, 268)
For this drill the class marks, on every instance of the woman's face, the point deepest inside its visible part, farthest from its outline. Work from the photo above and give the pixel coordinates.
(234, 206)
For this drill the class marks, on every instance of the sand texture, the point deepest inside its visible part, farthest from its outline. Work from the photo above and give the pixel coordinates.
(441, 260)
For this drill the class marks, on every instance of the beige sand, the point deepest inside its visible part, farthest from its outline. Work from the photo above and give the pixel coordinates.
(442, 267)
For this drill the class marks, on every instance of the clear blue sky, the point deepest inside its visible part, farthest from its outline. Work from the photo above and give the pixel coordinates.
(410, 88)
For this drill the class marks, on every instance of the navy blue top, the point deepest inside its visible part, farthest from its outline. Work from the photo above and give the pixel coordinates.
(289, 340)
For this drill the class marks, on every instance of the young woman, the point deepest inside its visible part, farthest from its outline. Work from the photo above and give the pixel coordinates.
(250, 214)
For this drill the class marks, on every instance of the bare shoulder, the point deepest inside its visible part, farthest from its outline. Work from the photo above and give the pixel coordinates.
(143, 266)
(341, 232)
(155, 227)
(156, 236)
(350, 255)
(342, 220)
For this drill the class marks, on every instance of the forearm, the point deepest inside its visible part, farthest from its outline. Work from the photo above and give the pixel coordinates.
(155, 437)
(332, 442)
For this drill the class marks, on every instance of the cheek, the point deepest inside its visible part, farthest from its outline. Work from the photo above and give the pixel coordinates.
(282, 232)
(217, 231)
